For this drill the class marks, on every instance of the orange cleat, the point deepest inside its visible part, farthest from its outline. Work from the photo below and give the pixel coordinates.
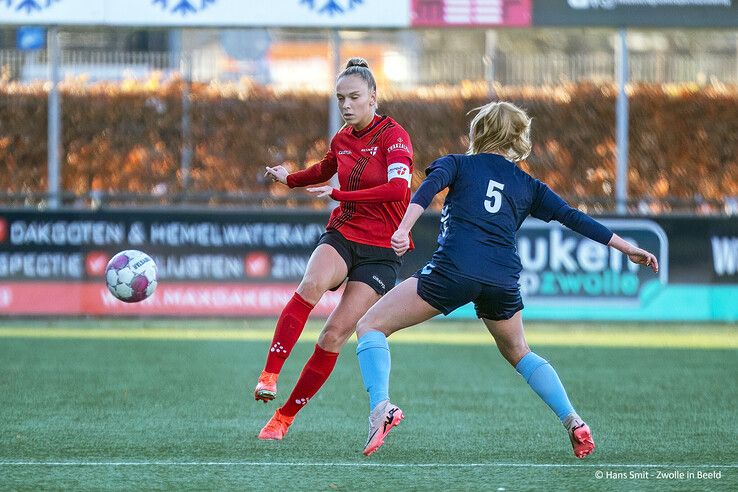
(277, 427)
(581, 439)
(381, 421)
(266, 387)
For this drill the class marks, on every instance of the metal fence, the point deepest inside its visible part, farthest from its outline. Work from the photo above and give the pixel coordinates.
(425, 69)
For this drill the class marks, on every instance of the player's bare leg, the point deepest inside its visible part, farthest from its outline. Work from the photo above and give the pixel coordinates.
(542, 378)
(325, 270)
(399, 308)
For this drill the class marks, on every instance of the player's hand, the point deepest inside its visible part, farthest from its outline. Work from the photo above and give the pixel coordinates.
(642, 257)
(400, 242)
(321, 191)
(277, 174)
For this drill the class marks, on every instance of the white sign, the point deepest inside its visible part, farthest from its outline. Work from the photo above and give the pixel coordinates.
(208, 13)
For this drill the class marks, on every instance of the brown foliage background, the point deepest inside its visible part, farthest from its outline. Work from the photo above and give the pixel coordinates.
(128, 137)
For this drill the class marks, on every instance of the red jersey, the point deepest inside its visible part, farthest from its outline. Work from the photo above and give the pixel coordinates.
(374, 169)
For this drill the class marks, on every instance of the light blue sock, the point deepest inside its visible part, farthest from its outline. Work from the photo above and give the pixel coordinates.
(374, 361)
(539, 374)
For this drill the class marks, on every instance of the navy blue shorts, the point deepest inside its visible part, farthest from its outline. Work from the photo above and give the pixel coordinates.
(446, 292)
(372, 265)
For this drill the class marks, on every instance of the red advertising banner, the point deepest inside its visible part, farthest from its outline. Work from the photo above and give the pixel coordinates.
(173, 299)
(434, 13)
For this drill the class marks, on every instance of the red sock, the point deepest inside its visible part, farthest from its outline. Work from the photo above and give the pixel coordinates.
(288, 330)
(313, 375)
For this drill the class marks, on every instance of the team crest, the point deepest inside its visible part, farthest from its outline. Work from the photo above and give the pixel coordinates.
(183, 7)
(29, 6)
(331, 7)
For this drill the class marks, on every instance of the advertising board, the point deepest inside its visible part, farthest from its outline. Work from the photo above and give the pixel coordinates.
(248, 264)
(470, 13)
(640, 13)
(209, 13)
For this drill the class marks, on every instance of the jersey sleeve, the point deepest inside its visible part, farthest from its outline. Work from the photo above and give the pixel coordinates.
(439, 175)
(317, 173)
(392, 191)
(547, 205)
(545, 202)
(396, 145)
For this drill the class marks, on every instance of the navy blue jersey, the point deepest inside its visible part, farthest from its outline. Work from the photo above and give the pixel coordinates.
(488, 199)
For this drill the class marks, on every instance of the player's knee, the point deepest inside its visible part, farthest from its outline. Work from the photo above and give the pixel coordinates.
(334, 336)
(369, 322)
(513, 352)
(362, 327)
(311, 289)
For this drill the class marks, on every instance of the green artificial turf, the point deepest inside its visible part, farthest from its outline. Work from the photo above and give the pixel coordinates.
(80, 413)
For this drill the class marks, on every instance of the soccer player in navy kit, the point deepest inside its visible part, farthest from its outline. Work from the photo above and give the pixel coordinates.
(372, 155)
(476, 261)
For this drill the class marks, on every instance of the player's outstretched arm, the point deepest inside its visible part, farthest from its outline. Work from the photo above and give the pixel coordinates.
(401, 238)
(588, 227)
(319, 172)
(394, 191)
(439, 176)
(634, 253)
(277, 174)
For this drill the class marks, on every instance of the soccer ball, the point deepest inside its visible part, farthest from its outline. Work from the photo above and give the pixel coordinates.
(131, 275)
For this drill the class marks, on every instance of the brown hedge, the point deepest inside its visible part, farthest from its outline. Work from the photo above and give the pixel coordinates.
(128, 138)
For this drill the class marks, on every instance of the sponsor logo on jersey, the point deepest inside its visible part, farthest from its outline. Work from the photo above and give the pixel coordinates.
(344, 152)
(371, 150)
(398, 146)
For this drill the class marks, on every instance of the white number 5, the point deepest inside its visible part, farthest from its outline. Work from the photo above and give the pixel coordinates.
(493, 206)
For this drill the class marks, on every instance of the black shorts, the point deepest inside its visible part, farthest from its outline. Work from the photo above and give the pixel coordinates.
(372, 265)
(446, 292)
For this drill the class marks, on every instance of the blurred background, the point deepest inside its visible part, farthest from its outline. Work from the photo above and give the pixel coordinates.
(148, 123)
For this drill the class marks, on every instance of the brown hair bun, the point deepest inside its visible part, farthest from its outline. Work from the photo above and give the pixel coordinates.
(357, 62)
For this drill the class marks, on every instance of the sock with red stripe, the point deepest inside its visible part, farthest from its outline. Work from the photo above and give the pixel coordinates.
(289, 328)
(314, 374)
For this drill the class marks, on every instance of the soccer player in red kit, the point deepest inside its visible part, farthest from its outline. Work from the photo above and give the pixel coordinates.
(372, 155)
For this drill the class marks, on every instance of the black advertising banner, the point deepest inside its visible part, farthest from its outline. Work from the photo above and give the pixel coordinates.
(249, 263)
(642, 13)
(208, 263)
(222, 247)
(704, 251)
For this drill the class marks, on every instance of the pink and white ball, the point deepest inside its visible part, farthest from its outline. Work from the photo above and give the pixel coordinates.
(131, 275)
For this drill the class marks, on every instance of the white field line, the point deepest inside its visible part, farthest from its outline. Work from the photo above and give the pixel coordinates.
(364, 465)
